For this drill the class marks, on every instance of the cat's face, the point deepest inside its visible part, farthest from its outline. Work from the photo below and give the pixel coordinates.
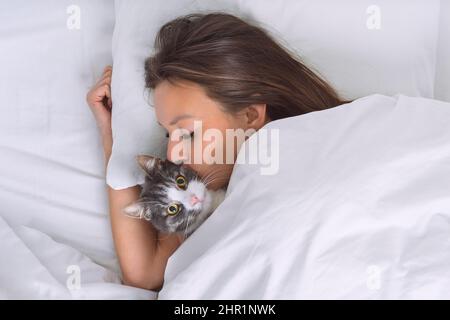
(171, 197)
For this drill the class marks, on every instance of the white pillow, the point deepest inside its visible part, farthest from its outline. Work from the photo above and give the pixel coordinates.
(342, 41)
(337, 40)
(135, 130)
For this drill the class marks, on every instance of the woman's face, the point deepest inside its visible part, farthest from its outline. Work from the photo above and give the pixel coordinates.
(178, 105)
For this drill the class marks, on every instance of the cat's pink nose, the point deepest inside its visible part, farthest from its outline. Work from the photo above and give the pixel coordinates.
(195, 199)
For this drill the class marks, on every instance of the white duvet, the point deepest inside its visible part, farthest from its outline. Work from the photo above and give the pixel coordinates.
(359, 209)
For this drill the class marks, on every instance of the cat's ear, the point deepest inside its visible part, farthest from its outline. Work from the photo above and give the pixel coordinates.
(137, 210)
(148, 163)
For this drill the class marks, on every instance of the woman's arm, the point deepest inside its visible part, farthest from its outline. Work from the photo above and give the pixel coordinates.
(142, 251)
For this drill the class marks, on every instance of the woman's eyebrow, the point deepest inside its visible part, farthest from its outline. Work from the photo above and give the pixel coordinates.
(178, 118)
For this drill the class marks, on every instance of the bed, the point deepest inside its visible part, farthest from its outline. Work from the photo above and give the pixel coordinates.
(55, 236)
(54, 212)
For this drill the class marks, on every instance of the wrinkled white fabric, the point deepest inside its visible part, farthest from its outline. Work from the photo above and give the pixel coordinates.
(53, 203)
(359, 209)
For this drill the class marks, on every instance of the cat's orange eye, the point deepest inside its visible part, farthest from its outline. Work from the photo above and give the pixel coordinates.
(173, 209)
(181, 182)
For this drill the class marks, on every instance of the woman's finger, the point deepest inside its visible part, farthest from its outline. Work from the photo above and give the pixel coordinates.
(108, 97)
(107, 74)
(107, 91)
(106, 80)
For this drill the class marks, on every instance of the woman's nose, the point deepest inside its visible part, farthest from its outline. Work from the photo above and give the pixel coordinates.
(169, 152)
(170, 155)
(174, 157)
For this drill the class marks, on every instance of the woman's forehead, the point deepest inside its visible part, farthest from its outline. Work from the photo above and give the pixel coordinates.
(181, 101)
(180, 93)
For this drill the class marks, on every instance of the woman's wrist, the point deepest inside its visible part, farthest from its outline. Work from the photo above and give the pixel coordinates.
(107, 154)
(107, 143)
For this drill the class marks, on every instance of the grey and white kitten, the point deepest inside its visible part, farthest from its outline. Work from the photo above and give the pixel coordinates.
(173, 197)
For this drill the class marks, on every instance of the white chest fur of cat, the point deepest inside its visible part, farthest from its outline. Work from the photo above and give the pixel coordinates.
(173, 197)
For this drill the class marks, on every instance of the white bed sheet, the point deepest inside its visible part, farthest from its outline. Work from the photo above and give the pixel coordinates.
(359, 209)
(53, 203)
(36, 267)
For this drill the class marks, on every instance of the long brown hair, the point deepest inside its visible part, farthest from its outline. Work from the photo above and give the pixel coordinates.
(237, 64)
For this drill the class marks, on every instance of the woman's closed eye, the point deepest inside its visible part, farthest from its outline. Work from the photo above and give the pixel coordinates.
(185, 136)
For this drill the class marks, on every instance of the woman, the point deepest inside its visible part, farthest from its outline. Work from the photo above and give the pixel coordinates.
(219, 70)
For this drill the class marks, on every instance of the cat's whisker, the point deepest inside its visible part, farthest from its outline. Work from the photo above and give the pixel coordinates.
(187, 225)
(209, 175)
(208, 185)
(214, 180)
(214, 175)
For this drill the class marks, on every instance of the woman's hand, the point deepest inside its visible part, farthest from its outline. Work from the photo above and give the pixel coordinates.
(99, 100)
(143, 253)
